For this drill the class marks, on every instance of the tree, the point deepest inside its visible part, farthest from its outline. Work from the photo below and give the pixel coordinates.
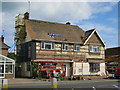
(34, 69)
(12, 56)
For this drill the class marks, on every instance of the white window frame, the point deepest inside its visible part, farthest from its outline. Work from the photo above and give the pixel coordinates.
(76, 46)
(94, 67)
(64, 45)
(48, 43)
(11, 68)
(92, 49)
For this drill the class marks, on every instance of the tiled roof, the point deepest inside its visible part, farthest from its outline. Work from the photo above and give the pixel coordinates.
(43, 30)
(115, 51)
(88, 33)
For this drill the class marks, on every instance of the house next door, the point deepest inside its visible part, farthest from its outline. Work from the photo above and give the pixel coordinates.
(2, 71)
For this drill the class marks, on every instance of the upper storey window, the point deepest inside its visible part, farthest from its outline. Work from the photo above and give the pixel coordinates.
(64, 46)
(94, 49)
(47, 45)
(76, 47)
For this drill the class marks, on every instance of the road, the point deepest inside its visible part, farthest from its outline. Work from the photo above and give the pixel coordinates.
(94, 84)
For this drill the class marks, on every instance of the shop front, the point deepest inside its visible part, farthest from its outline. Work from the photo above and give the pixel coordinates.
(52, 69)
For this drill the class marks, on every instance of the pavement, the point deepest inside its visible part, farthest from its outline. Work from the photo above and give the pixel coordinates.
(24, 80)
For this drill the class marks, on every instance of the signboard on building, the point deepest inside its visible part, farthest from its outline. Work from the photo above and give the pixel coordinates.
(80, 70)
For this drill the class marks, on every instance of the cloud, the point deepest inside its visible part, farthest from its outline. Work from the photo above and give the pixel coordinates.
(113, 20)
(61, 12)
(62, 0)
(100, 7)
(98, 27)
(72, 11)
(75, 12)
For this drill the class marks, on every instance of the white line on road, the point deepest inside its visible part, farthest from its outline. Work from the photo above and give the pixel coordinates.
(116, 86)
(94, 88)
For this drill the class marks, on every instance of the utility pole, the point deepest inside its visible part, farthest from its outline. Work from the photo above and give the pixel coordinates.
(29, 7)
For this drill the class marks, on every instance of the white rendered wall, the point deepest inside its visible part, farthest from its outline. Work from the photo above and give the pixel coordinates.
(80, 68)
(77, 69)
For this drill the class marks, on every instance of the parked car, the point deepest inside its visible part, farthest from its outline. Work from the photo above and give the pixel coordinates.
(117, 73)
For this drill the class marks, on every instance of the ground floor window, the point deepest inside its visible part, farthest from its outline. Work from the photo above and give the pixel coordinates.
(94, 67)
(28, 67)
(8, 69)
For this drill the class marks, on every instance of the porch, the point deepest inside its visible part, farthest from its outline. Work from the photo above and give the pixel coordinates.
(7, 67)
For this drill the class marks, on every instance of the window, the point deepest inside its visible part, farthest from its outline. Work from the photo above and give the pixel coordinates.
(76, 47)
(94, 67)
(29, 52)
(64, 46)
(47, 45)
(94, 49)
(28, 67)
(8, 69)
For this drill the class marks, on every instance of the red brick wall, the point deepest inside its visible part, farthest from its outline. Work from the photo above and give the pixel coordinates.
(9, 75)
(5, 52)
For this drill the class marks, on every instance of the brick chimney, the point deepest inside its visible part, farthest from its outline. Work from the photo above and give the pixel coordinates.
(2, 38)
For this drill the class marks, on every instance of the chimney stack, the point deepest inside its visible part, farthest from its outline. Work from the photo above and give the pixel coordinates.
(26, 16)
(2, 38)
(68, 23)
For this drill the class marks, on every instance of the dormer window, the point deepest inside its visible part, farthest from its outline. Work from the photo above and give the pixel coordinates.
(47, 45)
(64, 46)
(76, 47)
(94, 49)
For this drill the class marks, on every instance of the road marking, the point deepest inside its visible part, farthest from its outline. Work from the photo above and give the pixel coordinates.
(94, 88)
(116, 86)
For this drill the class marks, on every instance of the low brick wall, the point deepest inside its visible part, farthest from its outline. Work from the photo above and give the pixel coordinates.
(9, 75)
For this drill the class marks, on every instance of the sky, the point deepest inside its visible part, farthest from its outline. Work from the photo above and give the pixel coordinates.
(103, 16)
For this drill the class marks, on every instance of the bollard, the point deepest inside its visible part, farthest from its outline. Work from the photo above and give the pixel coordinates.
(54, 82)
(5, 84)
(0, 84)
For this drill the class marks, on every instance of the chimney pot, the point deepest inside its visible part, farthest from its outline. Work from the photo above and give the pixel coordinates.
(68, 23)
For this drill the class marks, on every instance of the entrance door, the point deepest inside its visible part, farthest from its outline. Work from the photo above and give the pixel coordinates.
(1, 71)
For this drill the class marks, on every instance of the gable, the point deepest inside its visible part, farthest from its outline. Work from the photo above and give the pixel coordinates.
(94, 39)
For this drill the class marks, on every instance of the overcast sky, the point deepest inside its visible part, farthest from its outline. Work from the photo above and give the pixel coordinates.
(100, 15)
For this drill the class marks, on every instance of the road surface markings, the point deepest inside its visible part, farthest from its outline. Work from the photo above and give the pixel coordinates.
(116, 86)
(94, 88)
